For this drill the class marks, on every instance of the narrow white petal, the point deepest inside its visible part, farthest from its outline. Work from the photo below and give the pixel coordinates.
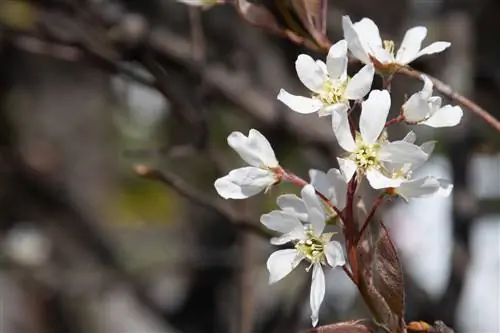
(428, 147)
(411, 44)
(327, 110)
(416, 108)
(360, 83)
(281, 263)
(280, 221)
(243, 183)
(418, 188)
(310, 73)
(445, 187)
(314, 207)
(347, 167)
(296, 234)
(239, 142)
(447, 116)
(358, 49)
(411, 137)
(381, 54)
(292, 204)
(435, 103)
(300, 104)
(336, 60)
(320, 181)
(338, 188)
(401, 152)
(426, 91)
(262, 147)
(374, 113)
(342, 130)
(368, 31)
(435, 47)
(334, 254)
(317, 292)
(378, 181)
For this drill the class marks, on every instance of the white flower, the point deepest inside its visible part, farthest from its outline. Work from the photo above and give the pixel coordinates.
(420, 187)
(310, 242)
(205, 4)
(332, 185)
(367, 151)
(248, 181)
(330, 86)
(363, 39)
(423, 108)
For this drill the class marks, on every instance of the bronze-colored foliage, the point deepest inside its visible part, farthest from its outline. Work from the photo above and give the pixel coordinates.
(344, 327)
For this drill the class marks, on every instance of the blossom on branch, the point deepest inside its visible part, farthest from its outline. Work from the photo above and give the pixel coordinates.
(367, 151)
(264, 170)
(302, 221)
(329, 83)
(423, 108)
(364, 42)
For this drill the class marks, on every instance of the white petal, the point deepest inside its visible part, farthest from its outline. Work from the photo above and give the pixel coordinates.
(334, 254)
(435, 47)
(426, 91)
(336, 60)
(280, 221)
(296, 234)
(317, 292)
(293, 205)
(281, 263)
(314, 208)
(262, 147)
(401, 152)
(360, 83)
(411, 44)
(310, 73)
(358, 49)
(300, 104)
(347, 167)
(377, 180)
(418, 188)
(254, 149)
(411, 137)
(243, 183)
(374, 113)
(327, 110)
(445, 187)
(416, 108)
(435, 103)
(338, 188)
(447, 116)
(428, 147)
(320, 181)
(368, 31)
(342, 130)
(381, 54)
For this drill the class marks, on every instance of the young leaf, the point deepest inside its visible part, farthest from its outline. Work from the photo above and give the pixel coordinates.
(344, 327)
(312, 14)
(258, 15)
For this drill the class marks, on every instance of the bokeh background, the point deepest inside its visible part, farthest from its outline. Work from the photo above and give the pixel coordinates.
(90, 88)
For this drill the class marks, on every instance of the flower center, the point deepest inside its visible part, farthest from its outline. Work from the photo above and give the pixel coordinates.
(389, 47)
(366, 156)
(333, 92)
(312, 247)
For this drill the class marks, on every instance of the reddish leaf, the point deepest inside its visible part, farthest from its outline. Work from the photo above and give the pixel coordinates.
(381, 278)
(258, 15)
(312, 14)
(344, 327)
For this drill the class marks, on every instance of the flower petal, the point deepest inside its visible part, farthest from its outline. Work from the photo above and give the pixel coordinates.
(296, 234)
(374, 113)
(445, 187)
(334, 254)
(428, 147)
(358, 48)
(411, 44)
(418, 188)
(360, 83)
(411, 137)
(336, 60)
(401, 152)
(292, 204)
(447, 116)
(280, 221)
(342, 130)
(243, 183)
(416, 108)
(347, 167)
(254, 149)
(281, 263)
(327, 110)
(300, 104)
(314, 208)
(368, 31)
(435, 47)
(338, 188)
(319, 181)
(377, 180)
(310, 73)
(317, 292)
(262, 147)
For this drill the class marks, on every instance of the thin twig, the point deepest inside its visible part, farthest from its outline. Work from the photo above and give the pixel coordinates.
(188, 192)
(375, 206)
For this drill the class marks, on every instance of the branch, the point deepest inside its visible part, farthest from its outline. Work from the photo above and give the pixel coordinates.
(188, 192)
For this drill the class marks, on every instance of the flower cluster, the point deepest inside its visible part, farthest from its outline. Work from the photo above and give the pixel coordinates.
(388, 166)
